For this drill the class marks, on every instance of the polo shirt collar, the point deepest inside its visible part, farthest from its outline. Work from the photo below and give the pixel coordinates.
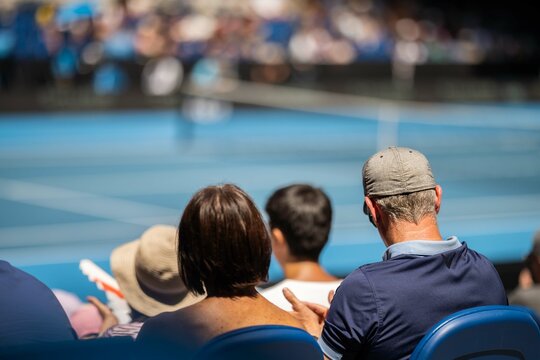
(421, 247)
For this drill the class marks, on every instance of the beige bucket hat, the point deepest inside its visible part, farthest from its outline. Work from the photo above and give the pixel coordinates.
(147, 272)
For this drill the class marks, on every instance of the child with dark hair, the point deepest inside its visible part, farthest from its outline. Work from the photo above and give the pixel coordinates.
(300, 220)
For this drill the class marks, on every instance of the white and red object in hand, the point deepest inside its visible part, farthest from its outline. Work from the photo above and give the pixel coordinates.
(105, 282)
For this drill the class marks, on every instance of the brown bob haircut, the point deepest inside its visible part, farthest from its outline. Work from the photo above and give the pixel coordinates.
(224, 246)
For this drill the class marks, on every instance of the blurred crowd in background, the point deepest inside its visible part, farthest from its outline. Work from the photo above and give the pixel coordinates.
(78, 37)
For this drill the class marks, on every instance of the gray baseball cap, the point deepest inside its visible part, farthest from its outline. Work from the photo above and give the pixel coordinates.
(395, 171)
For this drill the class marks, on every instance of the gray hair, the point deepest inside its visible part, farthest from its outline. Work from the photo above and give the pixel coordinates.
(411, 207)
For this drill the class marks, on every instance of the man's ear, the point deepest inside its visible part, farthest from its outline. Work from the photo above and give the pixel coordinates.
(277, 237)
(438, 198)
(372, 210)
(280, 248)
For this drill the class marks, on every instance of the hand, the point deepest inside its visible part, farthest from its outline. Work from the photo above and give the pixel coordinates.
(310, 315)
(109, 319)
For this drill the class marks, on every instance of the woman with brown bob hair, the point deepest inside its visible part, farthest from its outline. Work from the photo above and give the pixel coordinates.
(224, 251)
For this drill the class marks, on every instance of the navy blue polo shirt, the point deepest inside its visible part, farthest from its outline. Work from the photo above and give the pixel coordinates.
(29, 311)
(382, 310)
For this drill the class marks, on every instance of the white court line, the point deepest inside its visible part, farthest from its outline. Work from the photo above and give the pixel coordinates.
(478, 204)
(462, 235)
(177, 181)
(362, 224)
(79, 232)
(328, 173)
(461, 225)
(108, 233)
(186, 181)
(58, 160)
(189, 156)
(81, 202)
(64, 253)
(137, 213)
(69, 233)
(474, 221)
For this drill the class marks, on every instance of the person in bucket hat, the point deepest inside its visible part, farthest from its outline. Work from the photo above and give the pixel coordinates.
(382, 310)
(146, 270)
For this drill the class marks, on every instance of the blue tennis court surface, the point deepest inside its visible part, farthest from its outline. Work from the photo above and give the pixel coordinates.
(76, 185)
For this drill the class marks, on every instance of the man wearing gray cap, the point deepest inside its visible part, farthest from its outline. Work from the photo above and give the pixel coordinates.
(382, 310)
(528, 292)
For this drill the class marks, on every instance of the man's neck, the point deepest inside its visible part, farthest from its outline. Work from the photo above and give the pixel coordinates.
(400, 231)
(306, 271)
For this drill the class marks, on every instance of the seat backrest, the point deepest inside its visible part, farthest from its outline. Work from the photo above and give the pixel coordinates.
(122, 347)
(265, 342)
(483, 333)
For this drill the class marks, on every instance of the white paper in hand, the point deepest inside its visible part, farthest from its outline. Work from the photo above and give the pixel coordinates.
(105, 282)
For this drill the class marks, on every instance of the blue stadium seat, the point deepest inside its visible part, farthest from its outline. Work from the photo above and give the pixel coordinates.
(113, 348)
(265, 342)
(483, 333)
